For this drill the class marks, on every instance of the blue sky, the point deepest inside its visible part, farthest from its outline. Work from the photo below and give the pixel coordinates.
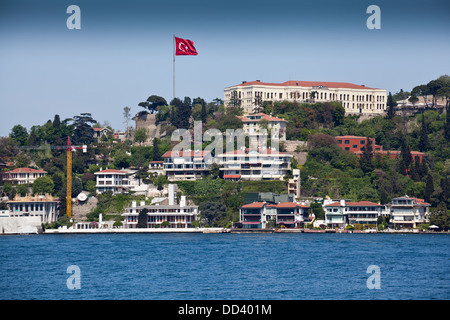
(124, 51)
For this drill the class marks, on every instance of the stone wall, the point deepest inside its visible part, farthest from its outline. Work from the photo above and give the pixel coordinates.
(148, 121)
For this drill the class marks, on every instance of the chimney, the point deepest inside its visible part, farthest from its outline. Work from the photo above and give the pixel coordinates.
(142, 203)
(183, 201)
(171, 194)
(133, 204)
(342, 202)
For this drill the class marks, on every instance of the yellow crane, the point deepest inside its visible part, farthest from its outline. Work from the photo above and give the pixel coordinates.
(69, 148)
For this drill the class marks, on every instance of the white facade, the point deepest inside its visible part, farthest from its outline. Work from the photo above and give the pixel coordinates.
(356, 99)
(254, 164)
(44, 207)
(186, 165)
(115, 181)
(408, 212)
(276, 127)
(23, 175)
(339, 214)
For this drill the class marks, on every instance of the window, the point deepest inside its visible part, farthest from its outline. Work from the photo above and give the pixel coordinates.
(340, 141)
(354, 146)
(362, 142)
(346, 141)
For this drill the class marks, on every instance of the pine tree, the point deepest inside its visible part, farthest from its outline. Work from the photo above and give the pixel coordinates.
(429, 188)
(423, 140)
(156, 152)
(366, 160)
(391, 106)
(405, 156)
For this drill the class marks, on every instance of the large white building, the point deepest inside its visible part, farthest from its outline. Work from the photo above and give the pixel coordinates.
(356, 99)
(177, 215)
(254, 164)
(116, 181)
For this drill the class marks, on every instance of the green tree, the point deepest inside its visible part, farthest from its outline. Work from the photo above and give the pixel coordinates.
(366, 160)
(43, 185)
(391, 104)
(83, 133)
(156, 153)
(429, 188)
(19, 134)
(141, 135)
(142, 218)
(423, 140)
(153, 103)
(213, 212)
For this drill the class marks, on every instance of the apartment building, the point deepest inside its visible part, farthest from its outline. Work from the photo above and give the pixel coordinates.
(186, 165)
(357, 145)
(177, 215)
(261, 215)
(341, 213)
(23, 175)
(261, 124)
(356, 99)
(408, 212)
(116, 181)
(254, 164)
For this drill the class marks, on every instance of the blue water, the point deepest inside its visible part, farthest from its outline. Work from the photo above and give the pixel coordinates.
(225, 266)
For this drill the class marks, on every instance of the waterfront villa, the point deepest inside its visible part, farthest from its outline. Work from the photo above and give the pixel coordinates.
(254, 164)
(173, 215)
(407, 212)
(262, 215)
(43, 206)
(340, 214)
(356, 99)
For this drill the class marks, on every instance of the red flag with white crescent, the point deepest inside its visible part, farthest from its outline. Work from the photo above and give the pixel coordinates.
(184, 47)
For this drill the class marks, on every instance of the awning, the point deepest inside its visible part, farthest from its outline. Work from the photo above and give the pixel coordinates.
(251, 222)
(231, 176)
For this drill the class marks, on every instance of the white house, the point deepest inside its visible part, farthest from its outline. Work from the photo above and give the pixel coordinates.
(112, 180)
(407, 212)
(254, 164)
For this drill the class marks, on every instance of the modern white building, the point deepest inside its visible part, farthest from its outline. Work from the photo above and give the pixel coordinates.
(258, 215)
(407, 212)
(186, 165)
(112, 180)
(294, 183)
(23, 175)
(177, 215)
(341, 213)
(356, 99)
(254, 164)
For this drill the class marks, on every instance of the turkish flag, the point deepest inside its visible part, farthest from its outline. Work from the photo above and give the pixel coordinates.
(184, 47)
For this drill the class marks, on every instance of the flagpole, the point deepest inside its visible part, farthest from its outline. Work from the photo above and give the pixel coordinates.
(173, 66)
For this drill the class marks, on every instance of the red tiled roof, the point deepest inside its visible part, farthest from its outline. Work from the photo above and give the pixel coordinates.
(293, 83)
(110, 171)
(291, 205)
(254, 205)
(170, 154)
(263, 117)
(25, 170)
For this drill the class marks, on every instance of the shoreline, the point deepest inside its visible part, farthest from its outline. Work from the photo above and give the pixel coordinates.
(224, 230)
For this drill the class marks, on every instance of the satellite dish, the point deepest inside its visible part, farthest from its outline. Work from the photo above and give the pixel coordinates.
(82, 197)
